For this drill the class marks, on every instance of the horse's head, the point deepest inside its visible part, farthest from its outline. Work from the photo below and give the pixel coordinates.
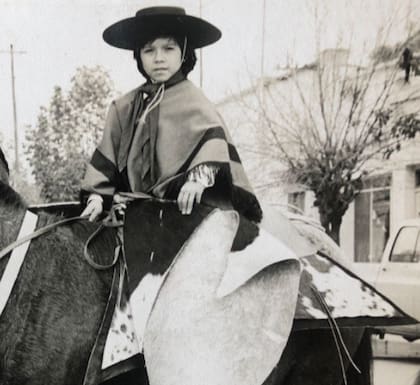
(10, 200)
(12, 206)
(4, 168)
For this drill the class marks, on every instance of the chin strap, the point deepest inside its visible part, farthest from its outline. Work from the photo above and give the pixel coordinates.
(157, 98)
(184, 50)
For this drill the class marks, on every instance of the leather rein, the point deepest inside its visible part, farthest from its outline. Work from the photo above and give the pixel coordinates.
(36, 234)
(110, 221)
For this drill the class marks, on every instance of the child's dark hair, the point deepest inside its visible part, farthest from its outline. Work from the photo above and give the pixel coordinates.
(189, 58)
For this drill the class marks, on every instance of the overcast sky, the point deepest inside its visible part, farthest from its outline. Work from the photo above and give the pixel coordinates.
(60, 35)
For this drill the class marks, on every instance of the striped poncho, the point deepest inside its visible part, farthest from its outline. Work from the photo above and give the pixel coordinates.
(186, 131)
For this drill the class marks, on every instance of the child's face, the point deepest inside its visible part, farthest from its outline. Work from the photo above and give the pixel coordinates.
(161, 58)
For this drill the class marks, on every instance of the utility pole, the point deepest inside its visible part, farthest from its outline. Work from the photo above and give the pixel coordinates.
(201, 50)
(12, 52)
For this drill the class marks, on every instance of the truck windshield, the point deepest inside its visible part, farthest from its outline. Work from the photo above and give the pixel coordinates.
(406, 247)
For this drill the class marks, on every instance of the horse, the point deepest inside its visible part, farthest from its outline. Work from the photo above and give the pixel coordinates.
(51, 320)
(49, 324)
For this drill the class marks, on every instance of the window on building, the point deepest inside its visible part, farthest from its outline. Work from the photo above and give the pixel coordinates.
(406, 247)
(296, 201)
(377, 181)
(371, 228)
(417, 178)
(417, 192)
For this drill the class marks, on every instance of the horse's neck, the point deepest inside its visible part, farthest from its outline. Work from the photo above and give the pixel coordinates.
(10, 222)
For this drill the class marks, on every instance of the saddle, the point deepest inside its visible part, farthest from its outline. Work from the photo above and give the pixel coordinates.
(155, 237)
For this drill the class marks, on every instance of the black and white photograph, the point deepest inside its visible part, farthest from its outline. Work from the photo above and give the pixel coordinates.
(209, 192)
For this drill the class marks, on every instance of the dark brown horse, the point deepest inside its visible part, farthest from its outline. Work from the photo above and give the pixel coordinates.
(49, 325)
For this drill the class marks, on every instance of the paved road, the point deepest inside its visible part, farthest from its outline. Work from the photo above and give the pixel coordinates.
(395, 372)
(397, 362)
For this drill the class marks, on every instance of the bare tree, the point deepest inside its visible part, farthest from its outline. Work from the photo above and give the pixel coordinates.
(325, 125)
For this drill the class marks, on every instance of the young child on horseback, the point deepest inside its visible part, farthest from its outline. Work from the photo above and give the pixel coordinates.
(165, 138)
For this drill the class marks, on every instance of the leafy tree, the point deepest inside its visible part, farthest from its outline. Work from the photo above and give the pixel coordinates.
(64, 138)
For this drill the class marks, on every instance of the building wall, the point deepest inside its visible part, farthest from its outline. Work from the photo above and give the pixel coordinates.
(347, 232)
(404, 194)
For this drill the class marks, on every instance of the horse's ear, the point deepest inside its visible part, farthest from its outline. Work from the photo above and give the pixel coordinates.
(4, 161)
(4, 168)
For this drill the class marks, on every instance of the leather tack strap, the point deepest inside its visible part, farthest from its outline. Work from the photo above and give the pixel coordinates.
(20, 246)
(16, 259)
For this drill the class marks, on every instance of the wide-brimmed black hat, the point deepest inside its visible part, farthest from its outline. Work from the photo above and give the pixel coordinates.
(153, 21)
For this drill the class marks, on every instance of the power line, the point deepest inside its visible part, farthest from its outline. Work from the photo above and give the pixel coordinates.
(263, 22)
(262, 60)
(201, 50)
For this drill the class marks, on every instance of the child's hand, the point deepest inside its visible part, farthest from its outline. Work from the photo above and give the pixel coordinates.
(190, 192)
(93, 209)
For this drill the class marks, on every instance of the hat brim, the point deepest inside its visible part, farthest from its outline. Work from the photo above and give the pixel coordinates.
(132, 32)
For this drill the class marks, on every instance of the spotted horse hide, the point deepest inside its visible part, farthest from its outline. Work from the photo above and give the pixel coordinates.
(214, 293)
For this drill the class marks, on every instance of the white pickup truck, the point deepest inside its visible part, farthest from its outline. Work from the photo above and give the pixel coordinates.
(398, 274)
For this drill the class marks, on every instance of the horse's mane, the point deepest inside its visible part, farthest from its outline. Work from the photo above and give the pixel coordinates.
(9, 197)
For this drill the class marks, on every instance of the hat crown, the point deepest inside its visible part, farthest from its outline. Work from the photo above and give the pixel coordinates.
(152, 11)
(130, 33)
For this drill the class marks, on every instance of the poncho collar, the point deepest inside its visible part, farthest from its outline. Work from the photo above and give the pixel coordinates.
(150, 88)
